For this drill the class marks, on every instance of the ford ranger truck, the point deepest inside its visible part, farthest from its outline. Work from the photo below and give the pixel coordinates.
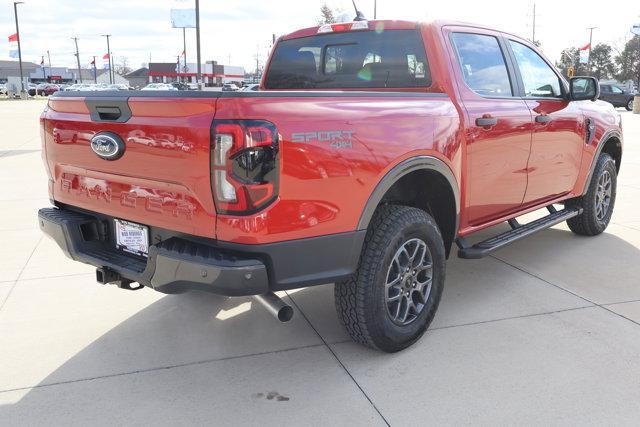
(371, 148)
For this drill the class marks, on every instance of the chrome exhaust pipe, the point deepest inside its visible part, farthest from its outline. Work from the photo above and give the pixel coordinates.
(274, 305)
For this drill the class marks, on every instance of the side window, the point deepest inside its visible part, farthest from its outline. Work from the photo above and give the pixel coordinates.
(539, 79)
(605, 89)
(482, 63)
(616, 90)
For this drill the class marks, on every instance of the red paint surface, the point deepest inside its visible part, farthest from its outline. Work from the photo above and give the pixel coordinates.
(163, 179)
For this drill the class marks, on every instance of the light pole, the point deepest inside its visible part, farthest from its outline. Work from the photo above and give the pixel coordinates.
(49, 58)
(199, 72)
(109, 56)
(15, 14)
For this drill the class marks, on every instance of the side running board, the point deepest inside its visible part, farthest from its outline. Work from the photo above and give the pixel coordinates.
(518, 231)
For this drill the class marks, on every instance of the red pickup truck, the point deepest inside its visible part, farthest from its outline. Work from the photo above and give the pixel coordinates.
(371, 148)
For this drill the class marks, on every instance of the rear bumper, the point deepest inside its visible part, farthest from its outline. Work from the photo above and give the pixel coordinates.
(179, 262)
(173, 266)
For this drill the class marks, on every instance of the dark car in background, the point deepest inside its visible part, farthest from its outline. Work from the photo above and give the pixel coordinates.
(616, 95)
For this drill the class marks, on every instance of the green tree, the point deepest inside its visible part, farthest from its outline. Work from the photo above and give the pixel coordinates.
(570, 57)
(327, 15)
(601, 65)
(628, 61)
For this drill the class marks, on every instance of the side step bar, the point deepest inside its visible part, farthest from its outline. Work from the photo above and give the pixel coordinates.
(518, 231)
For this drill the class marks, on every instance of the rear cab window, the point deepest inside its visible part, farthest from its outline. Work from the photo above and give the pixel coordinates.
(350, 60)
(483, 64)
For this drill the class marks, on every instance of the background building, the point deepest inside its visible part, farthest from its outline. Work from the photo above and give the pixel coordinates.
(12, 69)
(213, 74)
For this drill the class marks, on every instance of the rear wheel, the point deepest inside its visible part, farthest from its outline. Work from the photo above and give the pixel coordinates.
(597, 204)
(392, 298)
(629, 106)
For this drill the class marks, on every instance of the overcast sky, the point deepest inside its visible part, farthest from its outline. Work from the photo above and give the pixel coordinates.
(236, 29)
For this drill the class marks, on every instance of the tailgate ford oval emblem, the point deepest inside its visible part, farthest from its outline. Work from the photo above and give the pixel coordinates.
(107, 145)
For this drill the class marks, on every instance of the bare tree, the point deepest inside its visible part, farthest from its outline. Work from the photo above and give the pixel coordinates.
(122, 67)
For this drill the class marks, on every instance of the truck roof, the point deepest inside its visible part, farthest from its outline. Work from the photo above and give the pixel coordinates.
(387, 24)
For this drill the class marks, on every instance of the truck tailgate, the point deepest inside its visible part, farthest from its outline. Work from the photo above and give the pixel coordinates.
(163, 178)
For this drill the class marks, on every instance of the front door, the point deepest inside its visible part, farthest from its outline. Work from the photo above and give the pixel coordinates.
(499, 125)
(558, 128)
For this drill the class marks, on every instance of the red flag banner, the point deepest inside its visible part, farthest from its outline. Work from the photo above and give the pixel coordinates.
(106, 56)
(586, 47)
(13, 38)
(93, 61)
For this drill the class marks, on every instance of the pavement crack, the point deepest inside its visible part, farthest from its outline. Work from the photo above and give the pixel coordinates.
(15, 283)
(326, 344)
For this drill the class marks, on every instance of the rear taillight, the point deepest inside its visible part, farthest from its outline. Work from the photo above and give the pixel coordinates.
(244, 161)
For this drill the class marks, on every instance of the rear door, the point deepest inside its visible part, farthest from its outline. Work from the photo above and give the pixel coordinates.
(558, 129)
(498, 124)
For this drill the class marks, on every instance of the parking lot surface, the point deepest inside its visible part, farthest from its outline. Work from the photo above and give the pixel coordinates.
(546, 331)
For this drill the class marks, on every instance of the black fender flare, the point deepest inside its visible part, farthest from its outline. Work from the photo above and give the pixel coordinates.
(404, 168)
(605, 137)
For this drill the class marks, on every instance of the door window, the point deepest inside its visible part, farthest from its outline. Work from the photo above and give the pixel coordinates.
(540, 81)
(483, 65)
(616, 90)
(605, 89)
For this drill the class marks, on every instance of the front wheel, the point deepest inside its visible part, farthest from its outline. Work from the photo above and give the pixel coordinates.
(629, 105)
(597, 204)
(393, 296)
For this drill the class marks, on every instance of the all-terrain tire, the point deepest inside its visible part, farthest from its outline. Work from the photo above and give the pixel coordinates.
(361, 300)
(589, 223)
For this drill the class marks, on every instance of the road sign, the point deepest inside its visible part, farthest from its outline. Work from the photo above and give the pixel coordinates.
(636, 29)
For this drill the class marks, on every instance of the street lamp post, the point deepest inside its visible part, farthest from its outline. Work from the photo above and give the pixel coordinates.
(15, 14)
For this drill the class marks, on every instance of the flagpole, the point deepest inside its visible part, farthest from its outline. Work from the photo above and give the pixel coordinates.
(15, 13)
(109, 56)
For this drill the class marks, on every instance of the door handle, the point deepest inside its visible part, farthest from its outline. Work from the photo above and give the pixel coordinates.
(486, 122)
(543, 118)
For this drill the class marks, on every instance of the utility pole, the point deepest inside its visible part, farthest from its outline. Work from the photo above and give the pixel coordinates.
(178, 68)
(95, 71)
(199, 72)
(375, 9)
(15, 14)
(184, 48)
(590, 41)
(109, 57)
(49, 59)
(75, 39)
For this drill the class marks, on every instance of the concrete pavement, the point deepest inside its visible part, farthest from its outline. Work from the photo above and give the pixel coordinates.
(547, 331)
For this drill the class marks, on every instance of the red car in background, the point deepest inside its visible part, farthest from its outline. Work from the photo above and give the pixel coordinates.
(45, 89)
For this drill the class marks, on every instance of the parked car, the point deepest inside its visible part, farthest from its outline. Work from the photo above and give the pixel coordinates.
(305, 183)
(3, 88)
(158, 86)
(180, 85)
(229, 87)
(251, 88)
(47, 89)
(31, 89)
(119, 86)
(616, 95)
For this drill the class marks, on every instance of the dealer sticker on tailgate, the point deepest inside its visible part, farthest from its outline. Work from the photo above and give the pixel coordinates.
(132, 237)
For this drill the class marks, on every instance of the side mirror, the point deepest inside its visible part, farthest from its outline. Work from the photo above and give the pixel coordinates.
(584, 88)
